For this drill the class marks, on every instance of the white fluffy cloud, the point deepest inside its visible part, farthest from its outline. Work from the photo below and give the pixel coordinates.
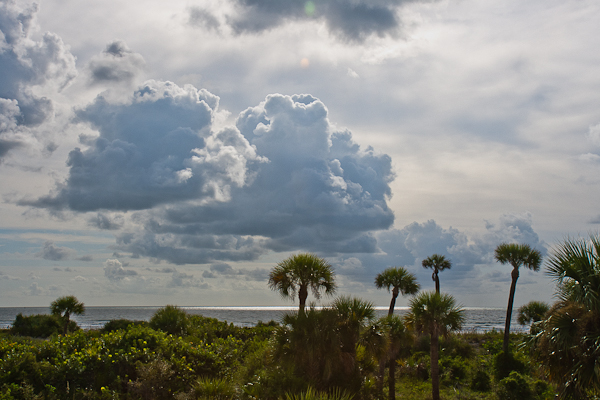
(27, 64)
(156, 148)
(316, 189)
(114, 271)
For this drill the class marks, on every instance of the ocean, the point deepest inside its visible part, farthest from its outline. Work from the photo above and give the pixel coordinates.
(476, 319)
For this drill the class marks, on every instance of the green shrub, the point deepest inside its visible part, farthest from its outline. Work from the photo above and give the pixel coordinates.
(120, 324)
(456, 346)
(170, 319)
(214, 388)
(505, 363)
(514, 387)
(453, 370)
(481, 381)
(39, 326)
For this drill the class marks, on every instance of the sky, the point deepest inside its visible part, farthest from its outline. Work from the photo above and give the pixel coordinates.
(157, 153)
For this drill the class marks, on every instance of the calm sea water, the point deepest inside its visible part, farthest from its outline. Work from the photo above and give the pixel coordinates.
(478, 319)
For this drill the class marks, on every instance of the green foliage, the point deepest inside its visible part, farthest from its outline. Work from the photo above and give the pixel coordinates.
(514, 387)
(533, 311)
(311, 394)
(505, 363)
(120, 324)
(299, 273)
(64, 307)
(85, 362)
(39, 326)
(214, 388)
(170, 319)
(568, 341)
(481, 381)
(453, 371)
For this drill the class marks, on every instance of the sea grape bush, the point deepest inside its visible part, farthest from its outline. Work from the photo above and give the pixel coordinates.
(90, 362)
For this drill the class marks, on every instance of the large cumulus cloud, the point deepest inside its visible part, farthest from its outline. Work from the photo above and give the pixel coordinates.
(27, 64)
(156, 148)
(319, 191)
(349, 20)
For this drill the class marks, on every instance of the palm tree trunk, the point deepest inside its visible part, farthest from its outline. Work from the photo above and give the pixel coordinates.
(67, 318)
(511, 299)
(392, 379)
(395, 293)
(436, 278)
(435, 367)
(302, 295)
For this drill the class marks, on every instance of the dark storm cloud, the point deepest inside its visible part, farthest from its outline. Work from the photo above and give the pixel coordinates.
(117, 64)
(156, 149)
(319, 191)
(53, 253)
(349, 20)
(25, 63)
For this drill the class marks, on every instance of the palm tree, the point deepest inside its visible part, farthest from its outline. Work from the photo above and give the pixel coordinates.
(532, 312)
(64, 306)
(388, 339)
(353, 315)
(437, 263)
(436, 314)
(401, 281)
(309, 344)
(298, 273)
(515, 255)
(568, 344)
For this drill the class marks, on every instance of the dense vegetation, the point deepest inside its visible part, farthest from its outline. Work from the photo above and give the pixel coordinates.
(338, 352)
(308, 354)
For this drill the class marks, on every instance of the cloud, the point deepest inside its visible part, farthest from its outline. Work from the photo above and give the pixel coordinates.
(594, 134)
(116, 65)
(180, 279)
(155, 149)
(107, 222)
(114, 271)
(319, 191)
(27, 63)
(54, 253)
(166, 270)
(36, 290)
(470, 253)
(351, 21)
(7, 277)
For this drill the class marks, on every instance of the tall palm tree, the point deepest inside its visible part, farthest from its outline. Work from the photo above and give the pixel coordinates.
(298, 273)
(64, 306)
(436, 314)
(437, 263)
(516, 255)
(400, 281)
(568, 344)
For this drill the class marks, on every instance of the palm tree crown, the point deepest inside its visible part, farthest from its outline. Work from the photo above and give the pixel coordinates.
(298, 273)
(516, 255)
(64, 307)
(400, 280)
(568, 342)
(437, 263)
